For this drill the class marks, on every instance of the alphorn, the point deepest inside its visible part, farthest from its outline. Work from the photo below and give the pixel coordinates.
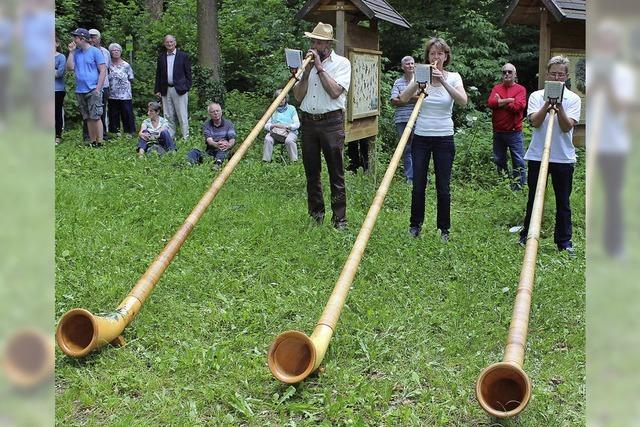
(79, 331)
(293, 355)
(503, 389)
(28, 358)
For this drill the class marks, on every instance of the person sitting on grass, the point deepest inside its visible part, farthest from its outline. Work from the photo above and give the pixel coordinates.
(154, 133)
(219, 137)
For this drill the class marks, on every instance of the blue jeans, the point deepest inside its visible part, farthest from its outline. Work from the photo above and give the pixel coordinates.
(512, 141)
(196, 156)
(562, 179)
(407, 157)
(443, 150)
(165, 141)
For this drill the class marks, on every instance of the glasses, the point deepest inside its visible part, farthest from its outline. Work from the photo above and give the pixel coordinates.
(507, 71)
(557, 75)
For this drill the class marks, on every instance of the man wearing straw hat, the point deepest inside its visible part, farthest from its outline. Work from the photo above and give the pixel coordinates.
(322, 93)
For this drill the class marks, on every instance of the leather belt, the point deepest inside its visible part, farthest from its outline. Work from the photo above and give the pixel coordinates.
(322, 116)
(169, 85)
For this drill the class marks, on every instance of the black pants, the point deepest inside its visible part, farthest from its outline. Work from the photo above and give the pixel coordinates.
(562, 180)
(59, 119)
(4, 91)
(612, 167)
(121, 110)
(443, 150)
(358, 152)
(324, 137)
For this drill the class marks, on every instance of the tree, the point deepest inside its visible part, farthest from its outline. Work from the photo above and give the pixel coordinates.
(208, 70)
(155, 8)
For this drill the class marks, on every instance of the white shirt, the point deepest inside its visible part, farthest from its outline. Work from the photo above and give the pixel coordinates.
(171, 58)
(613, 135)
(317, 100)
(434, 118)
(562, 149)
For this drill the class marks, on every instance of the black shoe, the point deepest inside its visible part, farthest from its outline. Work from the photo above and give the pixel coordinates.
(96, 144)
(444, 236)
(414, 231)
(318, 218)
(217, 165)
(522, 241)
(340, 225)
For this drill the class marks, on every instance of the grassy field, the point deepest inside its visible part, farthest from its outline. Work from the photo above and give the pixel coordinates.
(421, 321)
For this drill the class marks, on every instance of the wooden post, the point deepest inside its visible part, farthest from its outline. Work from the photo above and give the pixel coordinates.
(545, 47)
(340, 28)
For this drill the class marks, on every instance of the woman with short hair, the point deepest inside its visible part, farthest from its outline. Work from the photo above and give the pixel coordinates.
(120, 97)
(154, 132)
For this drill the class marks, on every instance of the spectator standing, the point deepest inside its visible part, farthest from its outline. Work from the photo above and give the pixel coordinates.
(507, 101)
(404, 110)
(173, 81)
(60, 90)
(120, 96)
(89, 66)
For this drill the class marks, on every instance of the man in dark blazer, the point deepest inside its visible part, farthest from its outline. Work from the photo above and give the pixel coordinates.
(173, 81)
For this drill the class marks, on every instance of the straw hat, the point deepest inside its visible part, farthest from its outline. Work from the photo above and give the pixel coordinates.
(321, 32)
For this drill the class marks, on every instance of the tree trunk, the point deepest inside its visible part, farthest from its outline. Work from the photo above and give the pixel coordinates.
(208, 48)
(155, 8)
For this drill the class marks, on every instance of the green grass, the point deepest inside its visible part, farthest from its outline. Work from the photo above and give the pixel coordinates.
(421, 321)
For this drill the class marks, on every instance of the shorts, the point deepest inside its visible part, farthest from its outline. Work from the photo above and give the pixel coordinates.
(90, 105)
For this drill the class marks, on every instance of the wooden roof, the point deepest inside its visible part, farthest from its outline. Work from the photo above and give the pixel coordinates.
(527, 12)
(372, 9)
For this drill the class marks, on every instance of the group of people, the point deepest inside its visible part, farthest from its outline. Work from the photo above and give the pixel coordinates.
(104, 92)
(322, 93)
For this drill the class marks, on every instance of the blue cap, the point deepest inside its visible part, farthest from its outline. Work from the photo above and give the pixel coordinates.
(81, 32)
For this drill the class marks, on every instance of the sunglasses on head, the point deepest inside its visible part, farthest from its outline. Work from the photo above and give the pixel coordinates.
(507, 71)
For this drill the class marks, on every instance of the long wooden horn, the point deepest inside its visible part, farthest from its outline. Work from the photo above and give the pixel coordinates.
(293, 355)
(503, 389)
(28, 358)
(79, 331)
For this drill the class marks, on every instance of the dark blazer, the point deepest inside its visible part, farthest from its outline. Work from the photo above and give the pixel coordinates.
(181, 73)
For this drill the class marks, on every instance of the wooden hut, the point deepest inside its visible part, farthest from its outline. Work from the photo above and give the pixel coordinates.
(562, 26)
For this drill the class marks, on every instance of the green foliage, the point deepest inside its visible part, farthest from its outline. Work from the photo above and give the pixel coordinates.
(208, 90)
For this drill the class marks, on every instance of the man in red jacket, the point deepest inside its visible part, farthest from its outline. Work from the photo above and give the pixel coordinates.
(508, 101)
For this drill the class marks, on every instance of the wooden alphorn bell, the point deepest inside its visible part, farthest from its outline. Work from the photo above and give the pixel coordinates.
(293, 355)
(79, 331)
(503, 389)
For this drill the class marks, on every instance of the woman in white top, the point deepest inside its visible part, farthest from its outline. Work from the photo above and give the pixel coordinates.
(154, 133)
(434, 136)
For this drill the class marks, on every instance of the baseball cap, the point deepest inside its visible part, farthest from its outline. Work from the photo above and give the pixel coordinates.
(94, 32)
(81, 32)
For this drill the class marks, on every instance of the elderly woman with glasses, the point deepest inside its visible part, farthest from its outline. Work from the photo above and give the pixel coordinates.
(282, 127)
(563, 153)
(120, 97)
(433, 136)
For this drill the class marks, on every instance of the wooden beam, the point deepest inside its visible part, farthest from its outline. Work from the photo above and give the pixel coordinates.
(335, 7)
(340, 28)
(545, 47)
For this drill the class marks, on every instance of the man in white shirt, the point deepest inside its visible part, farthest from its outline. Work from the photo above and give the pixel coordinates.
(563, 154)
(322, 92)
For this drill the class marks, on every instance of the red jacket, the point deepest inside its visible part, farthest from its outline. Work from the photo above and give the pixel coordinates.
(508, 118)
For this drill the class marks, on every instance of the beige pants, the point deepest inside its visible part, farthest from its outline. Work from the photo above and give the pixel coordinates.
(176, 106)
(289, 143)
